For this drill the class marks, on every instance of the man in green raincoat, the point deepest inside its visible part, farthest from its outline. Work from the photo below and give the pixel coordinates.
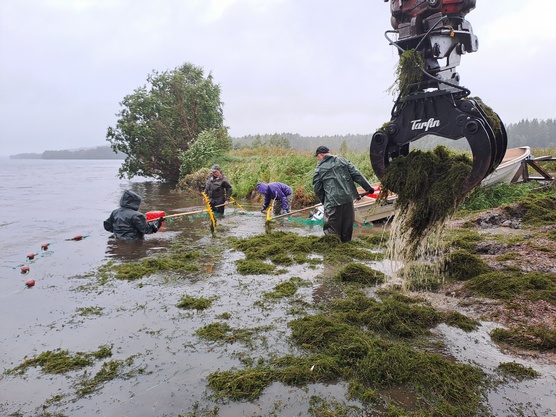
(333, 183)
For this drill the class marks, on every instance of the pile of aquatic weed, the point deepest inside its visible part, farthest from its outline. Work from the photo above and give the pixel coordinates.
(320, 407)
(428, 185)
(536, 209)
(517, 371)
(185, 262)
(90, 311)
(61, 361)
(510, 286)
(463, 239)
(64, 362)
(371, 345)
(355, 272)
(540, 337)
(286, 288)
(286, 248)
(189, 302)
(460, 265)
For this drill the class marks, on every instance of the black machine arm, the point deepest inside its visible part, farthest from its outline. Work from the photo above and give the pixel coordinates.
(434, 103)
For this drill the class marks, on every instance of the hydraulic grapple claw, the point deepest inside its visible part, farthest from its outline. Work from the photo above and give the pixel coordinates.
(442, 115)
(434, 103)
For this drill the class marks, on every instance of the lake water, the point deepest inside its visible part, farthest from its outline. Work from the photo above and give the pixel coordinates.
(51, 202)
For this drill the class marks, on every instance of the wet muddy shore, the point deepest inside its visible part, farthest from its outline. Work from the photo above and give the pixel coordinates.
(161, 358)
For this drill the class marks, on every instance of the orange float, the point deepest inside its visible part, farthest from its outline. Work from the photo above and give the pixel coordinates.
(153, 215)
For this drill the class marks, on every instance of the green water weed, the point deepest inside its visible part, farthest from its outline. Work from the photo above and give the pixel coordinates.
(60, 361)
(90, 311)
(109, 370)
(460, 265)
(254, 267)
(509, 285)
(188, 302)
(540, 337)
(224, 333)
(286, 288)
(537, 209)
(356, 272)
(461, 321)
(517, 371)
(184, 262)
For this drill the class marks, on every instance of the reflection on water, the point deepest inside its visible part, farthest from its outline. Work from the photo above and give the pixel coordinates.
(125, 250)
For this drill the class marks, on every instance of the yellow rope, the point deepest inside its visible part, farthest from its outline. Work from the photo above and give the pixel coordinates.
(209, 209)
(235, 202)
(269, 211)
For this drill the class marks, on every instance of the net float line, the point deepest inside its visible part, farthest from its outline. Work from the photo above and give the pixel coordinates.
(77, 238)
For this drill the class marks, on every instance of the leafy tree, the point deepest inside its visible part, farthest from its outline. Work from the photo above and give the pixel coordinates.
(344, 148)
(161, 120)
(278, 141)
(257, 142)
(209, 144)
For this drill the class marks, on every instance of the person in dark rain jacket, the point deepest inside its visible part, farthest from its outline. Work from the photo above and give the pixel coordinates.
(280, 192)
(218, 190)
(127, 223)
(333, 183)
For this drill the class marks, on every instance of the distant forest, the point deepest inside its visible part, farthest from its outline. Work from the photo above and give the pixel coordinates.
(534, 133)
(100, 152)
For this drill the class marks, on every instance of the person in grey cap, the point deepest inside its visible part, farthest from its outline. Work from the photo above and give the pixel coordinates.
(218, 190)
(333, 183)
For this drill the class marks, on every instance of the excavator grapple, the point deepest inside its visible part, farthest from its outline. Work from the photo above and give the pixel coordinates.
(433, 102)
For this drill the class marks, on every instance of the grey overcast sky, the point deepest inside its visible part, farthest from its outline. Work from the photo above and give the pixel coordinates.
(313, 67)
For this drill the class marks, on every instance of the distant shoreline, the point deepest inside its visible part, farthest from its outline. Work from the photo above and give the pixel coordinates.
(99, 152)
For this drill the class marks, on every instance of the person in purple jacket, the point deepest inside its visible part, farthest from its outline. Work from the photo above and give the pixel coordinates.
(281, 193)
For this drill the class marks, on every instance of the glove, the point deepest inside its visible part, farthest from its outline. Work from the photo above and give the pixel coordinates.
(159, 222)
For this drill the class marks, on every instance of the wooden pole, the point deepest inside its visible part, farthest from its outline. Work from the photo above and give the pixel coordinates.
(185, 214)
(295, 211)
